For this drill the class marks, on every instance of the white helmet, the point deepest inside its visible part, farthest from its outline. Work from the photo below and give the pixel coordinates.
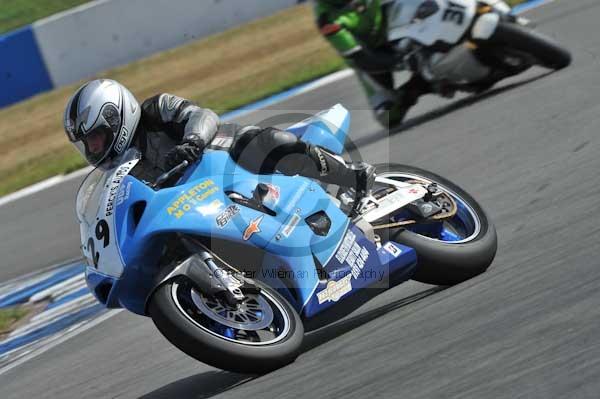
(101, 119)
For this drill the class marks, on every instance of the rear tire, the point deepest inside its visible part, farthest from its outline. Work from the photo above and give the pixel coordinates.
(447, 263)
(544, 49)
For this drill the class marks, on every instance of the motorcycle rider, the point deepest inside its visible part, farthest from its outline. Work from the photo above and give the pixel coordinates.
(103, 119)
(357, 30)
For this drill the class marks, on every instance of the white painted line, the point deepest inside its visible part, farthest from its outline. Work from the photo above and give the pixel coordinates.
(58, 289)
(66, 308)
(40, 274)
(37, 352)
(52, 315)
(287, 95)
(43, 185)
(324, 81)
(524, 7)
(71, 290)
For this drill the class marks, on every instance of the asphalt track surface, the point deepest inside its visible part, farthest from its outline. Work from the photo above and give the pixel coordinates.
(528, 328)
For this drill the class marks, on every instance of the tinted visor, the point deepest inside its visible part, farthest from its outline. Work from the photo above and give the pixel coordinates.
(96, 144)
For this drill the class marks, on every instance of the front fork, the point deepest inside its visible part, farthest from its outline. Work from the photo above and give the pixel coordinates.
(233, 293)
(206, 275)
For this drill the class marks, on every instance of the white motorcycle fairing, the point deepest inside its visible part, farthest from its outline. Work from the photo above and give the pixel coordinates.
(448, 24)
(98, 197)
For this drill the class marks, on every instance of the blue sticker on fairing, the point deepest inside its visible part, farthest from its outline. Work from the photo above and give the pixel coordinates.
(358, 264)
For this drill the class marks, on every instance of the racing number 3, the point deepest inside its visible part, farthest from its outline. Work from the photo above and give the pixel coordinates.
(454, 13)
(102, 234)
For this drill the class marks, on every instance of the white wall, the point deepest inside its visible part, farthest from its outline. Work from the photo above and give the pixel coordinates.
(108, 33)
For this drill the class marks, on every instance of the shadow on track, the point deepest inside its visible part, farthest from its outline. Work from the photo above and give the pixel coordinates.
(334, 330)
(442, 111)
(209, 384)
(199, 386)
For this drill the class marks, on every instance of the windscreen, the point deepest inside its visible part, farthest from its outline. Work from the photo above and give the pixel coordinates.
(402, 12)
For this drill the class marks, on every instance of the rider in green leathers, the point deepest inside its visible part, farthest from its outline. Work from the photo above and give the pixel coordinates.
(357, 30)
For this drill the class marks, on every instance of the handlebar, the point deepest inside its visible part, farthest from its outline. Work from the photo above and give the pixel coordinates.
(167, 175)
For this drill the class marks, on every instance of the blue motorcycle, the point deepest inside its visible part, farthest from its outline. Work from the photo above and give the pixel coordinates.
(233, 267)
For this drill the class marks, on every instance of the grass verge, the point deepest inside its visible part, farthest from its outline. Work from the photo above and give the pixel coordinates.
(221, 72)
(10, 316)
(17, 13)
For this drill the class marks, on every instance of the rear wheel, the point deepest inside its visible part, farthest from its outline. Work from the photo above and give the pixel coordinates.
(449, 250)
(543, 49)
(263, 333)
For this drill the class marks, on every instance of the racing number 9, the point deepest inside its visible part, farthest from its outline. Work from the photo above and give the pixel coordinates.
(102, 234)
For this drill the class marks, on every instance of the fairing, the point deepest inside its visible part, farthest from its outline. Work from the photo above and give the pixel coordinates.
(140, 219)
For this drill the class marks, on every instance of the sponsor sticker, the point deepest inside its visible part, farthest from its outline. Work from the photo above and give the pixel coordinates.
(124, 193)
(113, 190)
(322, 162)
(194, 196)
(224, 217)
(254, 227)
(120, 146)
(392, 249)
(335, 290)
(291, 226)
(353, 254)
(273, 195)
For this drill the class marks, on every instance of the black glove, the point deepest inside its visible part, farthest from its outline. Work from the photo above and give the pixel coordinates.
(190, 150)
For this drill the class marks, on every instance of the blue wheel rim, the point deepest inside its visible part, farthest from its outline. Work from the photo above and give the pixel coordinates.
(463, 227)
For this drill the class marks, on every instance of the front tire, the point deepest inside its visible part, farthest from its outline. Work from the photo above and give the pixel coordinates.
(544, 49)
(188, 325)
(442, 262)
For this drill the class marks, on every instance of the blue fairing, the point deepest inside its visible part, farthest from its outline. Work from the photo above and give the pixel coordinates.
(327, 129)
(360, 265)
(298, 262)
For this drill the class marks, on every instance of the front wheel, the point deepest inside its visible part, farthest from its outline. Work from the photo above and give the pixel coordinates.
(543, 49)
(449, 250)
(261, 334)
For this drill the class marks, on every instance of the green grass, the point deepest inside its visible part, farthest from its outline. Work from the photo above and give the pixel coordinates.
(17, 13)
(65, 161)
(10, 316)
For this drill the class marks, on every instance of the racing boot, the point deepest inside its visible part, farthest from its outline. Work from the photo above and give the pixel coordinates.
(390, 114)
(331, 169)
(268, 150)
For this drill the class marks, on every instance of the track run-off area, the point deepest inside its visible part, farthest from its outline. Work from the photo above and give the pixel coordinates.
(527, 328)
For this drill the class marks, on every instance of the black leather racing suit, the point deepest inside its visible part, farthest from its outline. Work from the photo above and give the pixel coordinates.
(169, 122)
